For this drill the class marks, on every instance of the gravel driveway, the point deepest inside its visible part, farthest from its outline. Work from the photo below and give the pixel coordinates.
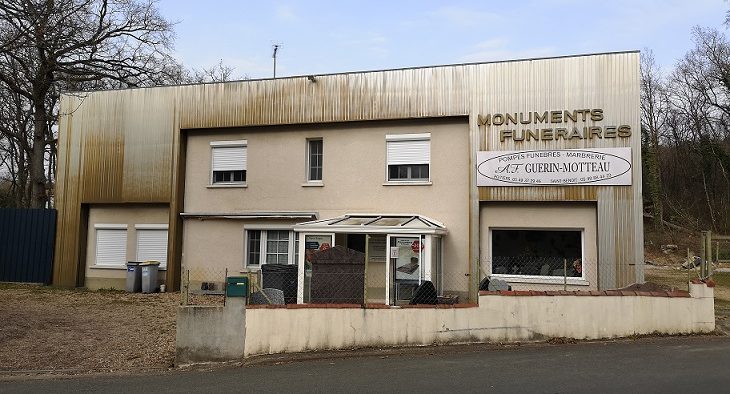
(78, 331)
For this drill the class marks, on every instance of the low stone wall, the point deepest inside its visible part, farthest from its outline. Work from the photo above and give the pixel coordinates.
(500, 316)
(210, 333)
(227, 333)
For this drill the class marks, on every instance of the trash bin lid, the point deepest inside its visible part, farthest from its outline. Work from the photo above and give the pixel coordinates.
(133, 263)
(279, 268)
(150, 262)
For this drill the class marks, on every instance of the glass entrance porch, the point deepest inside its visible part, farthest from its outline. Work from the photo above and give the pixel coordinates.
(368, 258)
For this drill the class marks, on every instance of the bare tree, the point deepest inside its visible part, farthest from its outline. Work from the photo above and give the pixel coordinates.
(220, 72)
(654, 107)
(694, 159)
(48, 46)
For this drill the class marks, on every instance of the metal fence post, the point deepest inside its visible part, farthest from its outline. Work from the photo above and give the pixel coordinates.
(184, 292)
(365, 271)
(225, 287)
(565, 274)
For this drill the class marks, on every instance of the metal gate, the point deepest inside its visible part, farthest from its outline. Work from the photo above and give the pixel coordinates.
(26, 245)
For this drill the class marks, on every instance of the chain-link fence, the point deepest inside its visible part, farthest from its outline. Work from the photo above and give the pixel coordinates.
(542, 274)
(371, 284)
(203, 286)
(353, 284)
(722, 250)
(330, 284)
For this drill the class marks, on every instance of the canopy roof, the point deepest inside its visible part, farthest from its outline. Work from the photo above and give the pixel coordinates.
(373, 223)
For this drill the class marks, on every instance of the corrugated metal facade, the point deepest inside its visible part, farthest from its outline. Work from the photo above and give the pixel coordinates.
(125, 146)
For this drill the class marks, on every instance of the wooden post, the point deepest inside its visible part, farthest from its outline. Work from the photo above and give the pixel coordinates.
(708, 258)
(690, 265)
(717, 251)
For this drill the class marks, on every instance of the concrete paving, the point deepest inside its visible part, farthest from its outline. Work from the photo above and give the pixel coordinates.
(679, 364)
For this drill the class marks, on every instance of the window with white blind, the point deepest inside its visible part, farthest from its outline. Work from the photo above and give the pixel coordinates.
(409, 157)
(152, 243)
(111, 244)
(229, 162)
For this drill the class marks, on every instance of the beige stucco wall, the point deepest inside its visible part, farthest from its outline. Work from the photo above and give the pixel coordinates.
(546, 215)
(129, 214)
(497, 319)
(354, 174)
(212, 246)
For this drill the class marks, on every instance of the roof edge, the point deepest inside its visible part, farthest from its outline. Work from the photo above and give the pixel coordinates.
(527, 59)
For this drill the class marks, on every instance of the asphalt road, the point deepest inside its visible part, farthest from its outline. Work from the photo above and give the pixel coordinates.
(690, 364)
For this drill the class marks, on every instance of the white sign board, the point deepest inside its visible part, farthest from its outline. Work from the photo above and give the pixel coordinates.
(557, 167)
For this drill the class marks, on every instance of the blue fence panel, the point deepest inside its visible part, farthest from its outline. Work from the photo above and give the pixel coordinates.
(27, 238)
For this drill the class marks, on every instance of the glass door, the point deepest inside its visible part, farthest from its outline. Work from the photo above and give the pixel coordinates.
(406, 267)
(310, 244)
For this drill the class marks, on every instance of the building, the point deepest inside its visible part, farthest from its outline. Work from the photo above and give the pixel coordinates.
(526, 170)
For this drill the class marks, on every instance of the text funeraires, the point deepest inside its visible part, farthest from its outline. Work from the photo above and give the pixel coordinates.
(555, 118)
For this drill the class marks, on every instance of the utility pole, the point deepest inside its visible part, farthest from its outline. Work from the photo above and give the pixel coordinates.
(276, 49)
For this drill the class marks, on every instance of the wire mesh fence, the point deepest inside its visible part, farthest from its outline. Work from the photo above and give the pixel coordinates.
(332, 284)
(722, 250)
(203, 286)
(543, 274)
(370, 284)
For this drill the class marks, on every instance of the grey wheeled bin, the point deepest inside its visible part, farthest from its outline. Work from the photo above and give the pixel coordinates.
(149, 276)
(134, 277)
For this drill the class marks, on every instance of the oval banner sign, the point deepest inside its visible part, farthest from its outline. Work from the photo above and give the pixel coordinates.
(595, 166)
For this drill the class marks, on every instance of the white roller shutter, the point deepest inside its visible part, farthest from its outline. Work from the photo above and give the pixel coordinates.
(405, 150)
(152, 245)
(111, 247)
(229, 158)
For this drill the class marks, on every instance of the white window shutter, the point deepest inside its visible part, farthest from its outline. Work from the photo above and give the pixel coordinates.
(409, 152)
(152, 245)
(229, 158)
(111, 247)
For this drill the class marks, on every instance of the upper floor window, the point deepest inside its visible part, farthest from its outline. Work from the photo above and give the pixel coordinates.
(409, 157)
(315, 154)
(229, 162)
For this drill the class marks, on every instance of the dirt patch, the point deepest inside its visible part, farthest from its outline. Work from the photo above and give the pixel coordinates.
(52, 329)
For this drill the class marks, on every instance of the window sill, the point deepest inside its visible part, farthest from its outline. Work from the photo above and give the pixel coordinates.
(109, 267)
(313, 184)
(407, 183)
(118, 267)
(544, 280)
(227, 185)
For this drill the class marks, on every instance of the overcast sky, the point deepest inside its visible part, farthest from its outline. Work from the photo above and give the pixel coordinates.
(320, 37)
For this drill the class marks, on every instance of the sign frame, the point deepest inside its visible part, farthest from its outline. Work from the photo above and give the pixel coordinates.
(555, 167)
